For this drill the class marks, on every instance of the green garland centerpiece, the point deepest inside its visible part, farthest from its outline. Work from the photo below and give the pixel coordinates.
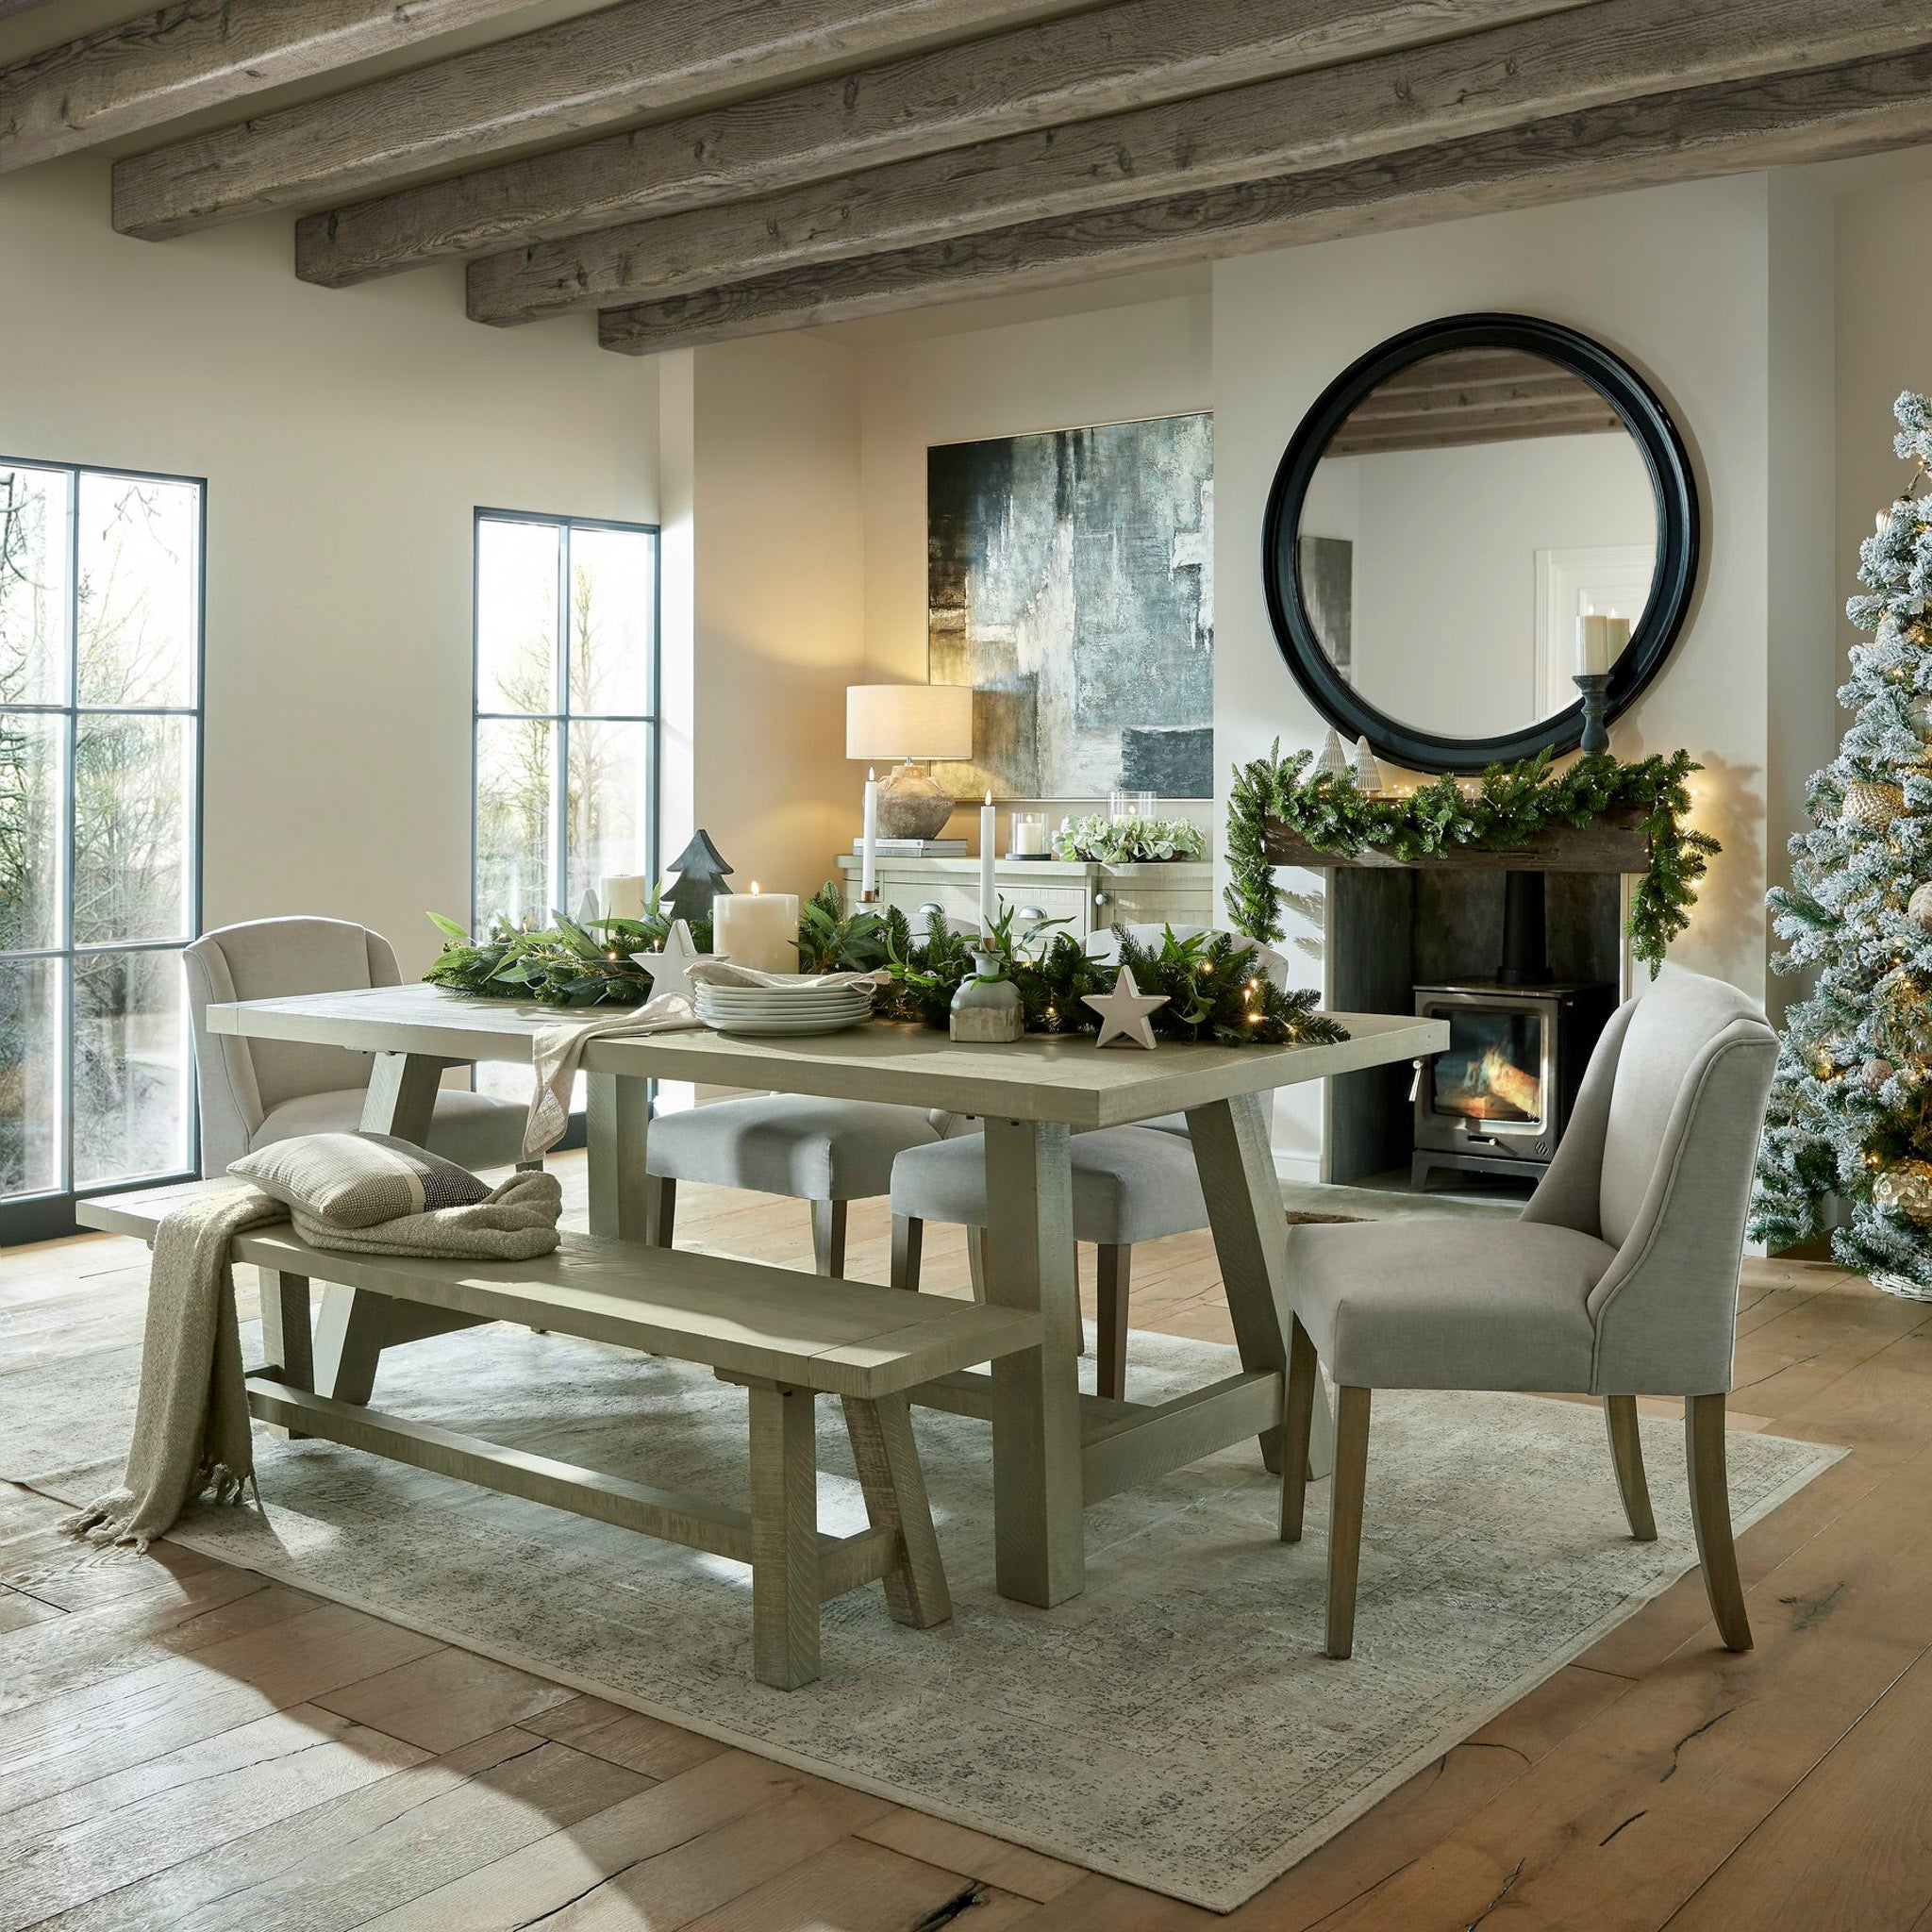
(1128, 842)
(1508, 806)
(1215, 986)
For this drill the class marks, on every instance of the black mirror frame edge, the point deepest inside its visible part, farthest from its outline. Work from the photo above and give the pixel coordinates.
(1673, 484)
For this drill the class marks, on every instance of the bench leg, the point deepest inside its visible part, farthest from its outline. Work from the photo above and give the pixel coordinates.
(894, 1485)
(828, 1236)
(784, 1536)
(349, 1335)
(286, 1343)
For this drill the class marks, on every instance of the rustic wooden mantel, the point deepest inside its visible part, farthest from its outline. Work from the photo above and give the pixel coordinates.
(1610, 843)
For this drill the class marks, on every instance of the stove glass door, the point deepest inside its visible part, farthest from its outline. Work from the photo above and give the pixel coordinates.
(1494, 1067)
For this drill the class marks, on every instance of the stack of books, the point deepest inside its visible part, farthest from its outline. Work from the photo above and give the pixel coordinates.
(914, 848)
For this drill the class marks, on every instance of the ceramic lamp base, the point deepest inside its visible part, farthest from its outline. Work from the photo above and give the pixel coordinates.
(911, 804)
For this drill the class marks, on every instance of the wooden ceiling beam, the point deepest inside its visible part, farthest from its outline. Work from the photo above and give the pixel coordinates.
(1525, 71)
(1100, 62)
(1785, 120)
(175, 60)
(580, 76)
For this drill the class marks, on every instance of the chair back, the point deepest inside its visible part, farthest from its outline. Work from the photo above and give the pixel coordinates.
(1657, 1161)
(269, 958)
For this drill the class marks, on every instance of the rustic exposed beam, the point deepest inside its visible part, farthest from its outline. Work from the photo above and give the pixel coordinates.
(1824, 114)
(1115, 57)
(595, 72)
(175, 60)
(1525, 71)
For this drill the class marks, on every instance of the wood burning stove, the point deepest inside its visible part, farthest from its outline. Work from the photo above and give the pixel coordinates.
(1498, 1100)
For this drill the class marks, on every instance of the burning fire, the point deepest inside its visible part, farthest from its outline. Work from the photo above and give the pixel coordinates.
(1494, 1088)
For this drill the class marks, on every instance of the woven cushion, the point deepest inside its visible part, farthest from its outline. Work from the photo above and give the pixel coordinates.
(789, 1143)
(354, 1180)
(1130, 1184)
(1434, 1303)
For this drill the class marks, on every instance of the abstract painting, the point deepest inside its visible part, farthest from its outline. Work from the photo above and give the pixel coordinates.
(1070, 580)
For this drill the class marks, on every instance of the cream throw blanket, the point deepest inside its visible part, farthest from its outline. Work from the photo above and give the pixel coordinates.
(191, 1420)
(558, 1050)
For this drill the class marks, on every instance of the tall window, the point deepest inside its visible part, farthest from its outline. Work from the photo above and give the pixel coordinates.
(566, 770)
(100, 755)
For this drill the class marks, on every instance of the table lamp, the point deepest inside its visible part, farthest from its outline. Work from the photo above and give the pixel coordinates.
(913, 723)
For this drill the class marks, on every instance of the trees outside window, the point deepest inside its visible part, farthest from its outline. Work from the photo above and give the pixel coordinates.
(100, 733)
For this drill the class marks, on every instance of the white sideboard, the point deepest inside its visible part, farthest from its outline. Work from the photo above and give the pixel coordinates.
(1088, 897)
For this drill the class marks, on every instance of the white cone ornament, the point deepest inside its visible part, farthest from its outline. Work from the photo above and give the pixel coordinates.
(1331, 761)
(1367, 773)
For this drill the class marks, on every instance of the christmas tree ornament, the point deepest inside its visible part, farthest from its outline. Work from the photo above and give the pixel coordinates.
(1905, 1189)
(1872, 807)
(1919, 716)
(701, 871)
(1331, 761)
(1875, 1073)
(670, 966)
(1918, 906)
(1123, 1011)
(1367, 773)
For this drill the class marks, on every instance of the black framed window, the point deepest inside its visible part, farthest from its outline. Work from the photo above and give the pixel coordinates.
(566, 731)
(101, 593)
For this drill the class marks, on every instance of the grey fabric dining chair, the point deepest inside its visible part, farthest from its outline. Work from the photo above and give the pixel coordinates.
(1619, 1279)
(256, 1092)
(828, 1152)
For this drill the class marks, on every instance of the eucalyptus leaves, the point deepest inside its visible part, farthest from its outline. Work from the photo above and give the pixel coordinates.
(1508, 806)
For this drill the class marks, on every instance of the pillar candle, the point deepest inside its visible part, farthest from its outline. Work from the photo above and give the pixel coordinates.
(1616, 635)
(988, 850)
(869, 847)
(622, 894)
(1592, 644)
(756, 929)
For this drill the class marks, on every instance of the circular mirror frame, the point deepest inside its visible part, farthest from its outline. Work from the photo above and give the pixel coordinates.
(1672, 485)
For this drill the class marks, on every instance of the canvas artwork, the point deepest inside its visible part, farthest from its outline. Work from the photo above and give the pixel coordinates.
(1070, 580)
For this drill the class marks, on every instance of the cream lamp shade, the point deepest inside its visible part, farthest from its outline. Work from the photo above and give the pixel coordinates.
(909, 721)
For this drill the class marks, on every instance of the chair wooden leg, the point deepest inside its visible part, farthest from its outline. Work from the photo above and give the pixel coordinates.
(1627, 1454)
(909, 1243)
(1710, 1517)
(663, 1211)
(976, 1260)
(1349, 1481)
(828, 1236)
(784, 1536)
(894, 1485)
(1297, 1422)
(1111, 1272)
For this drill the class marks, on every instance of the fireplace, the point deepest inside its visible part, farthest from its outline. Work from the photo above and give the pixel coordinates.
(1498, 1100)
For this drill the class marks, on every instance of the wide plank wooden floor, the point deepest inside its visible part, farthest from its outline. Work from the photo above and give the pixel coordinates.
(190, 1746)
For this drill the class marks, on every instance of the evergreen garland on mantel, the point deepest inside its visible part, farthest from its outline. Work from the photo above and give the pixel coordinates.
(1507, 807)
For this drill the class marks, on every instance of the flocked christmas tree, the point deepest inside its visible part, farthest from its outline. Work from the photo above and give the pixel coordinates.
(1850, 1125)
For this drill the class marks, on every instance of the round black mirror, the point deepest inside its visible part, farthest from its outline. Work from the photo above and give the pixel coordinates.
(1445, 513)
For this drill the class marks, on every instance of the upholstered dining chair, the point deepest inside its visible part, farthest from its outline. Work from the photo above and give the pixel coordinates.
(1130, 1185)
(256, 1092)
(826, 1153)
(1618, 1279)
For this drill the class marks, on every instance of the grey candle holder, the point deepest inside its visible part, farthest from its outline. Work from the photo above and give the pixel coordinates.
(1594, 685)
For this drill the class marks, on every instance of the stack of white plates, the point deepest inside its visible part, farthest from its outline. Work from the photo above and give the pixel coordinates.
(795, 1009)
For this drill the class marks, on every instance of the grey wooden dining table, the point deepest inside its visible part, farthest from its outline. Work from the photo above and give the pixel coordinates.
(1055, 1451)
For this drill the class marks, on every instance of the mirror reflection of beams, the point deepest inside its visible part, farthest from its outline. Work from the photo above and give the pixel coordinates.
(1451, 506)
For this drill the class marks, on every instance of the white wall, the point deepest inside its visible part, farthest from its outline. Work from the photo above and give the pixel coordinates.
(765, 604)
(346, 438)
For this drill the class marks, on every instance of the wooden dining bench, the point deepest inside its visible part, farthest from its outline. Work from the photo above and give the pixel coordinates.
(787, 1337)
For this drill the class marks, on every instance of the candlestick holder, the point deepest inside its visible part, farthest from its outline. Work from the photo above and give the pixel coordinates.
(1594, 685)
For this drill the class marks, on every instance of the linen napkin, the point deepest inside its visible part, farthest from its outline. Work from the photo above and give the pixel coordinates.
(558, 1050)
(723, 972)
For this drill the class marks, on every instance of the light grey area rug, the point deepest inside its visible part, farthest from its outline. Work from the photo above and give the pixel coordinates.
(1174, 1726)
